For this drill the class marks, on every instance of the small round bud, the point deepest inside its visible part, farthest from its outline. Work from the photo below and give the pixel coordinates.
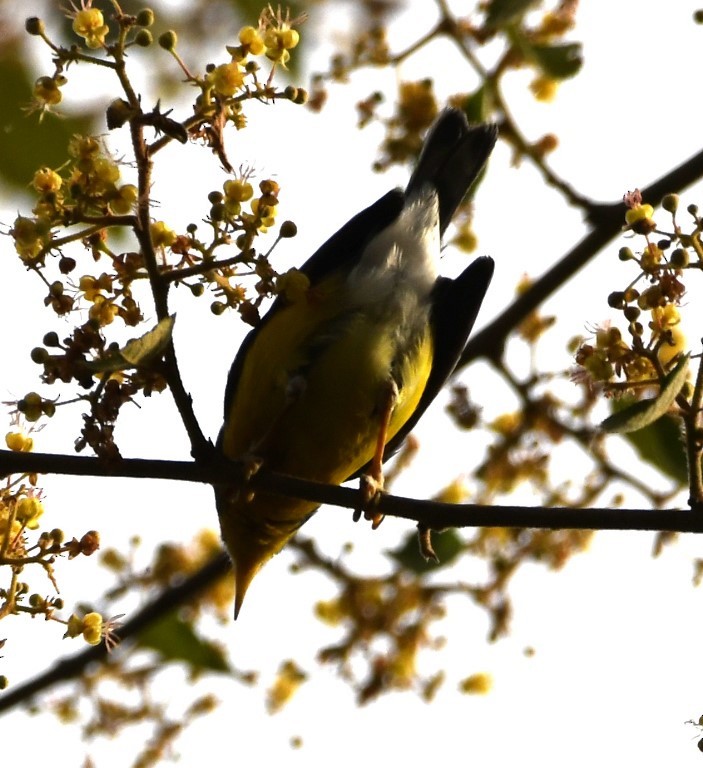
(192, 228)
(302, 97)
(217, 212)
(39, 355)
(168, 40)
(215, 196)
(143, 38)
(4, 682)
(269, 187)
(34, 26)
(58, 603)
(145, 17)
(616, 300)
(217, 307)
(56, 288)
(679, 258)
(31, 406)
(693, 209)
(51, 339)
(35, 600)
(698, 18)
(57, 535)
(291, 92)
(288, 229)
(197, 290)
(48, 408)
(631, 313)
(670, 202)
(66, 265)
(625, 254)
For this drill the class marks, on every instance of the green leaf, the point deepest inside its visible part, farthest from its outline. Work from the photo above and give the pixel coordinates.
(644, 412)
(175, 640)
(151, 344)
(557, 61)
(447, 546)
(501, 12)
(660, 445)
(477, 105)
(137, 351)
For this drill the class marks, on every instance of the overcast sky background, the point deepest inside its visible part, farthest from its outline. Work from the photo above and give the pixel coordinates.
(617, 635)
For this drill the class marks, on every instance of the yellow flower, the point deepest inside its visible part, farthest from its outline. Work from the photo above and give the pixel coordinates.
(236, 192)
(227, 79)
(293, 284)
(651, 255)
(544, 88)
(480, 683)
(18, 441)
(266, 213)
(28, 512)
(30, 236)
(278, 44)
(638, 212)
(161, 235)
(290, 677)
(238, 189)
(92, 628)
(125, 199)
(45, 180)
(251, 39)
(103, 311)
(89, 24)
(46, 91)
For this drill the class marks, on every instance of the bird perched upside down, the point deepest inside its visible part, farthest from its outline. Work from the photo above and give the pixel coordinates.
(328, 385)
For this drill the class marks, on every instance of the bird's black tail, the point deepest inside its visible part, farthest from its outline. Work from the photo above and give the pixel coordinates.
(452, 157)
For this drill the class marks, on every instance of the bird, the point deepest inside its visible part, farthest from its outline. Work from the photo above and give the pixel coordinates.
(329, 383)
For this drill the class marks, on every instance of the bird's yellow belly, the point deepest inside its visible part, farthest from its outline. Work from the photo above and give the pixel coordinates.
(311, 398)
(329, 429)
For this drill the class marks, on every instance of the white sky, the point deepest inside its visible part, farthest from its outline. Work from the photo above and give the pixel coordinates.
(617, 635)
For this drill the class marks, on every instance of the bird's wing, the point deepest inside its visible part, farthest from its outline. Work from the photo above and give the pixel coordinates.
(341, 250)
(455, 306)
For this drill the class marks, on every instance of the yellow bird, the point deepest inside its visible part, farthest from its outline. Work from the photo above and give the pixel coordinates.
(327, 386)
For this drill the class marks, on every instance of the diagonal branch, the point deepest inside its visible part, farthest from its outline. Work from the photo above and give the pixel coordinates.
(607, 221)
(72, 666)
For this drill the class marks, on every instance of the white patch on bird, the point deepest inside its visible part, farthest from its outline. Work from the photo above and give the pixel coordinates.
(399, 266)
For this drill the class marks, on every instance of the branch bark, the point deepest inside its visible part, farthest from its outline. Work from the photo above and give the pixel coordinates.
(429, 514)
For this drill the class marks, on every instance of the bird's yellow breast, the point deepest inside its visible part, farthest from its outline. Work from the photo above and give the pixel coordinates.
(311, 392)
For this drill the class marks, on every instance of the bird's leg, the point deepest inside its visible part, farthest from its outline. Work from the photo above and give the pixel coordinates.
(371, 484)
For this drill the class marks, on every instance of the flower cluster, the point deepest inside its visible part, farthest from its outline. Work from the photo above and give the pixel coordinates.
(226, 85)
(21, 512)
(649, 305)
(89, 188)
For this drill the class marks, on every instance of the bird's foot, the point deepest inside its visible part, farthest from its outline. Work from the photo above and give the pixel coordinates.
(371, 490)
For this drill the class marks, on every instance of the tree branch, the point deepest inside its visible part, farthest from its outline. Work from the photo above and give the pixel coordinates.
(608, 221)
(429, 514)
(72, 666)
